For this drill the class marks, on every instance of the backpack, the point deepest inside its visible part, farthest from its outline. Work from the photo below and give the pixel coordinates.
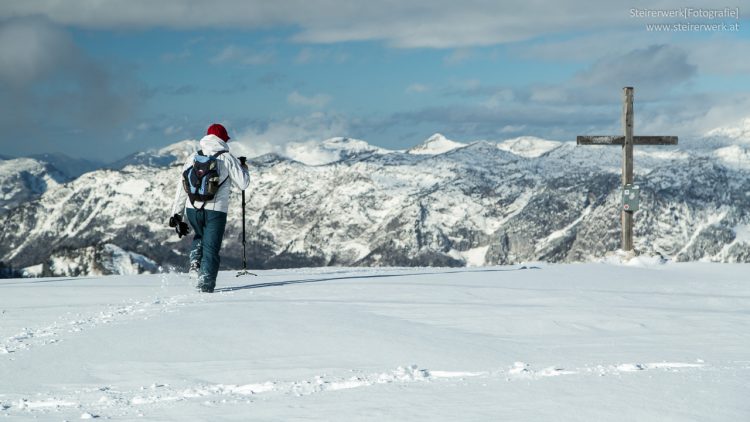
(201, 180)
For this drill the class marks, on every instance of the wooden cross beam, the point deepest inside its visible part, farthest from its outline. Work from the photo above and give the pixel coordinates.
(627, 141)
(620, 140)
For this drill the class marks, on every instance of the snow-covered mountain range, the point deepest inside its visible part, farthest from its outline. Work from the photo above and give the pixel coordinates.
(439, 203)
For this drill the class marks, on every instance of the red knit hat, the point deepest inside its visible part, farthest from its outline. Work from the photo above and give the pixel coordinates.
(218, 130)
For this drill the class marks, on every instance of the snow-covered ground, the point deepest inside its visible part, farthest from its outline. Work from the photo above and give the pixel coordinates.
(588, 342)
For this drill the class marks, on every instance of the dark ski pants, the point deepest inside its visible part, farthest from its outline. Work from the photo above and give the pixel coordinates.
(209, 232)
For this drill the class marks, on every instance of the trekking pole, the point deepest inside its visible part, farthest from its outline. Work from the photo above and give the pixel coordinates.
(244, 254)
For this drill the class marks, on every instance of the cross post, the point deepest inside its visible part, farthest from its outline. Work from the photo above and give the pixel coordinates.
(627, 165)
(627, 141)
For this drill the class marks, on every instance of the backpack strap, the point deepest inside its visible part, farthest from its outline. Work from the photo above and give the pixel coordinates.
(215, 156)
(222, 182)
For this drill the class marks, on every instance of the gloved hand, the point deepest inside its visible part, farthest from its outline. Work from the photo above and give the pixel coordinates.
(179, 227)
(243, 162)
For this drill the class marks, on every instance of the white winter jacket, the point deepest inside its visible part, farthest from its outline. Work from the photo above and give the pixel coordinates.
(229, 167)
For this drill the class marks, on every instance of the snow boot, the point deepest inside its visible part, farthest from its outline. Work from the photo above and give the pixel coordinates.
(195, 269)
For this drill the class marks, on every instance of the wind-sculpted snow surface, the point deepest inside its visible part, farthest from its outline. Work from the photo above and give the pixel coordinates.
(542, 342)
(452, 204)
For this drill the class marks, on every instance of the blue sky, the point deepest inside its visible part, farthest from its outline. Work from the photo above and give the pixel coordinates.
(101, 80)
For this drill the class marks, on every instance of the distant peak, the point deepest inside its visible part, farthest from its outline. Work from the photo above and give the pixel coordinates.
(739, 132)
(437, 137)
(734, 156)
(348, 144)
(434, 145)
(187, 146)
(330, 150)
(528, 146)
(168, 155)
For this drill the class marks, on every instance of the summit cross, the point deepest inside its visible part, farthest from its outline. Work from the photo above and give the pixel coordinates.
(626, 141)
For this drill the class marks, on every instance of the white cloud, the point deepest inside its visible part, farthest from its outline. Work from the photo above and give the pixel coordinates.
(305, 56)
(697, 116)
(656, 71)
(548, 94)
(78, 92)
(292, 137)
(317, 55)
(587, 47)
(412, 24)
(417, 88)
(451, 24)
(176, 56)
(739, 131)
(500, 97)
(172, 130)
(651, 69)
(310, 153)
(458, 55)
(512, 128)
(724, 58)
(314, 101)
(233, 54)
(469, 84)
(710, 55)
(32, 49)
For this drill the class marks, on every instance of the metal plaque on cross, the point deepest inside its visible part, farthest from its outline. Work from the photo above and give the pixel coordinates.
(631, 197)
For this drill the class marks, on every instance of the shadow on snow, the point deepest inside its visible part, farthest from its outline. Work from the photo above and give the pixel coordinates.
(317, 280)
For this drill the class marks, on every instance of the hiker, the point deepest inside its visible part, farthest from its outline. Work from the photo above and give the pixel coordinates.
(204, 175)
